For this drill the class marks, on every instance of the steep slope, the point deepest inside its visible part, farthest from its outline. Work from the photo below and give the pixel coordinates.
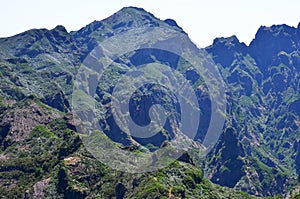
(46, 54)
(258, 152)
(42, 155)
(124, 20)
(263, 85)
(120, 23)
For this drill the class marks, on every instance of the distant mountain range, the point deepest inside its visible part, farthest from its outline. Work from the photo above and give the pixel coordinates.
(42, 155)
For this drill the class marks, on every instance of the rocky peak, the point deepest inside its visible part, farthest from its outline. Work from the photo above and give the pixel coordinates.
(35, 42)
(132, 17)
(59, 35)
(229, 42)
(144, 18)
(124, 19)
(225, 49)
(274, 30)
(134, 10)
(173, 23)
(60, 28)
(270, 41)
(276, 33)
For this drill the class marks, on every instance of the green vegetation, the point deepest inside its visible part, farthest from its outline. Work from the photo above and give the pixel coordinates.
(258, 152)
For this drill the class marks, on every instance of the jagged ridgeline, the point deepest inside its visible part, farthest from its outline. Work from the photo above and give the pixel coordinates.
(42, 155)
(263, 85)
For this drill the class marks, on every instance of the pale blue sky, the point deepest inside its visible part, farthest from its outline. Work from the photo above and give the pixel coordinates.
(202, 20)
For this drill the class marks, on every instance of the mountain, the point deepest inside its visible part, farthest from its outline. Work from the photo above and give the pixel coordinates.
(263, 81)
(43, 153)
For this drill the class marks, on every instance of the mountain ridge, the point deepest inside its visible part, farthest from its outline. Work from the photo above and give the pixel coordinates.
(259, 146)
(141, 11)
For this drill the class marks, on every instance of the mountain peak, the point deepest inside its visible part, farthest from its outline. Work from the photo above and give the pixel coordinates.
(173, 23)
(269, 41)
(123, 20)
(227, 41)
(135, 11)
(132, 8)
(60, 28)
(226, 48)
(131, 13)
(273, 31)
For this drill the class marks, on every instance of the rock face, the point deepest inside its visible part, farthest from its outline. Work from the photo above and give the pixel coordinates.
(270, 41)
(225, 50)
(263, 97)
(258, 151)
(17, 124)
(229, 160)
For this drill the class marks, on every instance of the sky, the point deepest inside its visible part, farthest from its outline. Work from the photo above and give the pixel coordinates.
(203, 20)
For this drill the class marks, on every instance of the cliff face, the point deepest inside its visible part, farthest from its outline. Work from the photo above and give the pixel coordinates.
(258, 151)
(263, 82)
